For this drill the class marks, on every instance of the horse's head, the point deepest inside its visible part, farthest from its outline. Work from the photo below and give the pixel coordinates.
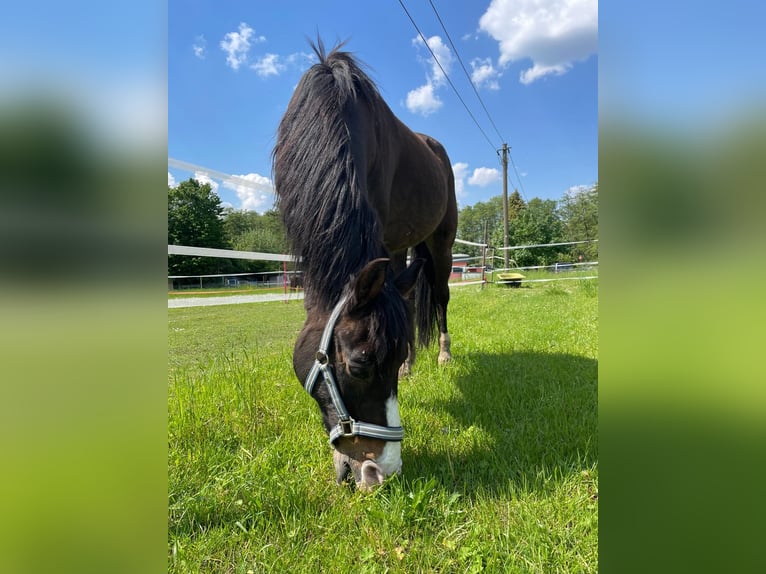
(348, 360)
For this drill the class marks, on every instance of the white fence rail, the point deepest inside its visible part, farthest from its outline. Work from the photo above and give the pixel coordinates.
(227, 253)
(256, 256)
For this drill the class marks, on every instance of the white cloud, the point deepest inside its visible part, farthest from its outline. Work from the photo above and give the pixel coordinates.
(268, 65)
(484, 74)
(554, 34)
(443, 55)
(171, 180)
(274, 64)
(301, 60)
(480, 177)
(237, 45)
(200, 47)
(460, 169)
(423, 100)
(204, 178)
(535, 72)
(484, 176)
(253, 190)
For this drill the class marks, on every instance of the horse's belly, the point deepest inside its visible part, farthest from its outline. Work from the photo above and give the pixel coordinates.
(401, 233)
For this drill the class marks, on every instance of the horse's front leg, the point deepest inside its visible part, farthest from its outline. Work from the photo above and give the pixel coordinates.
(445, 353)
(399, 264)
(406, 369)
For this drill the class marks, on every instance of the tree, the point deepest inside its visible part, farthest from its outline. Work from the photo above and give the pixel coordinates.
(474, 219)
(574, 218)
(194, 219)
(515, 205)
(237, 222)
(537, 223)
(579, 214)
(251, 231)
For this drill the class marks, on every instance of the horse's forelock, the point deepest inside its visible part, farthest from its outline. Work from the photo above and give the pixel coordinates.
(388, 321)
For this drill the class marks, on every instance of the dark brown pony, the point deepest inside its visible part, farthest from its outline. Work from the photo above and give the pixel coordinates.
(356, 189)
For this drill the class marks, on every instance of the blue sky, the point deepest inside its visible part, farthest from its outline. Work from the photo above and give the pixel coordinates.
(232, 67)
(681, 66)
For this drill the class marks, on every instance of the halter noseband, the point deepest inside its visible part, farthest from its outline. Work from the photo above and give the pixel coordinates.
(346, 427)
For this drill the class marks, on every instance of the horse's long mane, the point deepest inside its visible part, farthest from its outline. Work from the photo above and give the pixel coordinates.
(321, 194)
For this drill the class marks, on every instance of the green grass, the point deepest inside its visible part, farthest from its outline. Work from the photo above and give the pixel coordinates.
(537, 274)
(500, 469)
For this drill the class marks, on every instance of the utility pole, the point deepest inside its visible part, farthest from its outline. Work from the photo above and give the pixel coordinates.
(505, 205)
(484, 256)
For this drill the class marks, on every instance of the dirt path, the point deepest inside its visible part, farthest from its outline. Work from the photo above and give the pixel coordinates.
(230, 300)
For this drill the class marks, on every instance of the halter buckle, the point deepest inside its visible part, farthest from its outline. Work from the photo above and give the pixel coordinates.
(347, 427)
(322, 358)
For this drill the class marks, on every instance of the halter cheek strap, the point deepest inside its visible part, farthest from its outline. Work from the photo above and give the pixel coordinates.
(346, 427)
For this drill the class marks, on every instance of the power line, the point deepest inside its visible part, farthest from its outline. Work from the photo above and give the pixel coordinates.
(467, 75)
(473, 86)
(454, 89)
(513, 164)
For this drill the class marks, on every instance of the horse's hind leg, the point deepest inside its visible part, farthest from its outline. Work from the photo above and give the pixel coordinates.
(440, 247)
(442, 270)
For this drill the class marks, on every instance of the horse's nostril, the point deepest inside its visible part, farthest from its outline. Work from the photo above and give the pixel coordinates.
(343, 470)
(372, 476)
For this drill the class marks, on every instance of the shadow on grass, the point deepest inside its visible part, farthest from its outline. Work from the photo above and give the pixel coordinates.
(519, 421)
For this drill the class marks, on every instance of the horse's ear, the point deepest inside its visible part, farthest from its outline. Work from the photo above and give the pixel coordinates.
(407, 278)
(370, 281)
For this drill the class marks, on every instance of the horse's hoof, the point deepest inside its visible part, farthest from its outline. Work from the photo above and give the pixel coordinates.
(444, 358)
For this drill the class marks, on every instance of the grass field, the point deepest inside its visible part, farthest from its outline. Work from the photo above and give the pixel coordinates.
(500, 457)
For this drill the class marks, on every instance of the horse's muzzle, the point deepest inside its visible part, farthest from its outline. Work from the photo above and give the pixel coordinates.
(367, 474)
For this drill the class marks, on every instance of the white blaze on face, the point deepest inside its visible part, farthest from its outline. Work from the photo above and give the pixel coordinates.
(391, 459)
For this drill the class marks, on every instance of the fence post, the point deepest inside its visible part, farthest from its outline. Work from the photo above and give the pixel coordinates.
(284, 278)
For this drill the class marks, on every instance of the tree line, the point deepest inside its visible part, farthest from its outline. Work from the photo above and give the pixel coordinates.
(537, 221)
(197, 218)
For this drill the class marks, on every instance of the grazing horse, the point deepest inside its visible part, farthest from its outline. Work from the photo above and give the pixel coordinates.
(356, 189)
